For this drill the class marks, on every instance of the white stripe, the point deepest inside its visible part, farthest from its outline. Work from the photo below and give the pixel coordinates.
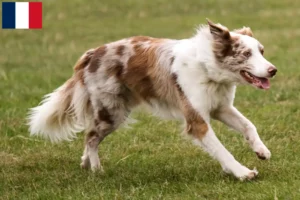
(22, 15)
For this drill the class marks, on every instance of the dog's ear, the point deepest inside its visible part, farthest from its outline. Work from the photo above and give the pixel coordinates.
(218, 31)
(222, 44)
(244, 31)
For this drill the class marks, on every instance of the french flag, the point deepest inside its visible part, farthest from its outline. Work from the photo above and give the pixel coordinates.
(21, 15)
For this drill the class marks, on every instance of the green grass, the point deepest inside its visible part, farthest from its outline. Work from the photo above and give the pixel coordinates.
(151, 160)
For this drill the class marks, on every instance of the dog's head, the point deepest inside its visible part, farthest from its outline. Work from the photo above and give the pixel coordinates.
(240, 53)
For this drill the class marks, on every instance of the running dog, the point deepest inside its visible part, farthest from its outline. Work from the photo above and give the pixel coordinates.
(193, 80)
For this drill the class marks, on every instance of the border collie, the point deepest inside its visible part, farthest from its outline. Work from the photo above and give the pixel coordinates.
(193, 80)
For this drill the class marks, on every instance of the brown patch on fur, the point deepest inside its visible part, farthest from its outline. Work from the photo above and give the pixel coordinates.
(116, 69)
(91, 134)
(120, 50)
(104, 116)
(83, 62)
(141, 68)
(78, 68)
(141, 83)
(195, 124)
(80, 77)
(96, 59)
(244, 31)
(197, 129)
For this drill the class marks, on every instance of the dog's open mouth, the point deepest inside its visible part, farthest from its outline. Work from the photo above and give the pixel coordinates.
(259, 82)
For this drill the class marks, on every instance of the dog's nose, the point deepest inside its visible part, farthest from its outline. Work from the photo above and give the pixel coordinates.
(272, 71)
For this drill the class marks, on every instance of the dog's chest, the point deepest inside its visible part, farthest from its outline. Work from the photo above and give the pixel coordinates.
(215, 95)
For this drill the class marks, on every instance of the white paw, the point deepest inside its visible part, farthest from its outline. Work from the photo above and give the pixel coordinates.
(85, 162)
(95, 164)
(240, 171)
(97, 167)
(247, 174)
(262, 151)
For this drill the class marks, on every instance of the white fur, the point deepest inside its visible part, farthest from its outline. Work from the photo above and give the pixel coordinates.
(57, 121)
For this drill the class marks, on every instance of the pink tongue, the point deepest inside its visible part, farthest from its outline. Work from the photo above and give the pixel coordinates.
(265, 83)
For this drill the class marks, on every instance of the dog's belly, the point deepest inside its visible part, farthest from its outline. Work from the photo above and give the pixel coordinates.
(165, 110)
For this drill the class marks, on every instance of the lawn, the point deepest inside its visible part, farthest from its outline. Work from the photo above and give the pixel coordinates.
(151, 160)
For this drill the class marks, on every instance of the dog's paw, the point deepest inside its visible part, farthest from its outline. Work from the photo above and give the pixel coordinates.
(262, 152)
(85, 162)
(239, 171)
(96, 166)
(251, 174)
(246, 174)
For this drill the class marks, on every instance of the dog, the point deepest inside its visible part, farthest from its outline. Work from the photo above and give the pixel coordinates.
(193, 80)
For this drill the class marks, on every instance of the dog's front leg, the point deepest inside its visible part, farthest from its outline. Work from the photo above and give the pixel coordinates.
(234, 119)
(203, 135)
(206, 138)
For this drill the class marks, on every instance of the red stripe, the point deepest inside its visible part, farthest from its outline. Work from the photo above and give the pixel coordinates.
(35, 15)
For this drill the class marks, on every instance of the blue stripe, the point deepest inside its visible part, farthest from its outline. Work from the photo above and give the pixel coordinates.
(8, 15)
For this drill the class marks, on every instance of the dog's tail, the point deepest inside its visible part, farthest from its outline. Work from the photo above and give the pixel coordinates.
(65, 111)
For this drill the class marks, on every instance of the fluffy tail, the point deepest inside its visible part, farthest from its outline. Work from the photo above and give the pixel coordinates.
(66, 111)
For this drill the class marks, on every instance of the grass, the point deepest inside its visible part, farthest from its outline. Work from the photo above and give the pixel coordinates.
(151, 160)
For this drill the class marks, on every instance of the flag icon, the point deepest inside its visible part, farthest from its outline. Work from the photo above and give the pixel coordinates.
(21, 15)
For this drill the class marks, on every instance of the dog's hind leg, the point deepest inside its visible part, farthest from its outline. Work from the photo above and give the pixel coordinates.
(85, 157)
(106, 120)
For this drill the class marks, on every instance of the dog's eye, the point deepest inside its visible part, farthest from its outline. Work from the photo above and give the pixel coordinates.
(247, 54)
(262, 51)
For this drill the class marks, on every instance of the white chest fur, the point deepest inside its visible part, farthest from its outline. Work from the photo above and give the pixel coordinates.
(204, 94)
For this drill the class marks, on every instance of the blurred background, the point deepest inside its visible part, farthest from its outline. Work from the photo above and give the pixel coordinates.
(150, 161)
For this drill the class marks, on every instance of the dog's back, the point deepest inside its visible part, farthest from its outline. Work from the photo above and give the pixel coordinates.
(107, 83)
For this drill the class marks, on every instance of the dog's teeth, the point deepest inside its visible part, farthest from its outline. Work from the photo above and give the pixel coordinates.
(248, 75)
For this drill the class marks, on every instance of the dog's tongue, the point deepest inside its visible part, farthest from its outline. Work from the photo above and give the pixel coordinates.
(264, 83)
